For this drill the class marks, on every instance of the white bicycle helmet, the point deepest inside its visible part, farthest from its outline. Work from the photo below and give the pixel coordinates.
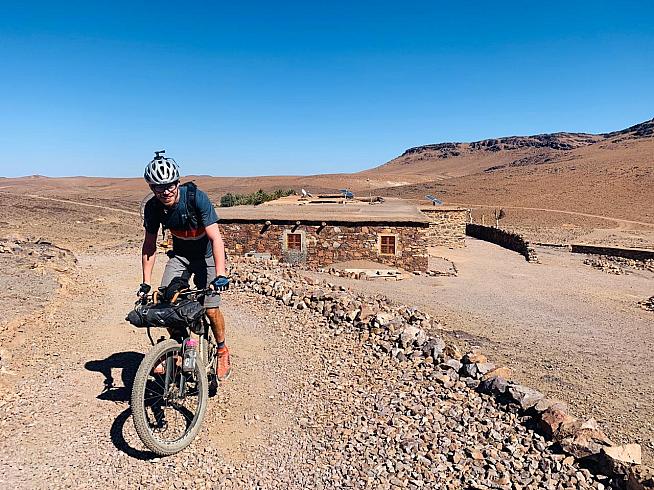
(161, 170)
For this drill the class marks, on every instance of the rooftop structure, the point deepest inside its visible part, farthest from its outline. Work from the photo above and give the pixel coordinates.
(329, 210)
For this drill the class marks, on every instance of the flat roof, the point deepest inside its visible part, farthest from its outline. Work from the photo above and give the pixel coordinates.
(391, 211)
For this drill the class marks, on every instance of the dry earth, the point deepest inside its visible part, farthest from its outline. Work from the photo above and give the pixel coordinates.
(560, 187)
(570, 330)
(307, 406)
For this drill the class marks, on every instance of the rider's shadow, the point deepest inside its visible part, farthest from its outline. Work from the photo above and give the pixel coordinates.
(128, 364)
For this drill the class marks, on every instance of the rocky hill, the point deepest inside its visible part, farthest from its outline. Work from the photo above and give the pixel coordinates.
(454, 159)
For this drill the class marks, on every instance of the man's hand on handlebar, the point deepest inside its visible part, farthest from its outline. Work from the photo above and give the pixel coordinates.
(144, 289)
(220, 283)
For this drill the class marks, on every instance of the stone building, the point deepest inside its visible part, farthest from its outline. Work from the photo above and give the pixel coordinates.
(447, 226)
(320, 233)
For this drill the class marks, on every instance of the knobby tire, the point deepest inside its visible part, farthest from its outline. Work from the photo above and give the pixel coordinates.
(139, 414)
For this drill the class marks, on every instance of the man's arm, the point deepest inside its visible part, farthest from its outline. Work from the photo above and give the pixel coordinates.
(149, 254)
(218, 247)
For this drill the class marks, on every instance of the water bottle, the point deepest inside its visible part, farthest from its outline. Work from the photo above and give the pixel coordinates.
(190, 354)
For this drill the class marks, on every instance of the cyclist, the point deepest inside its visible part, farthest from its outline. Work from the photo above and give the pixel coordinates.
(198, 247)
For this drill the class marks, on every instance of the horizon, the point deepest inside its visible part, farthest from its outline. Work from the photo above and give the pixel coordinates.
(310, 174)
(296, 89)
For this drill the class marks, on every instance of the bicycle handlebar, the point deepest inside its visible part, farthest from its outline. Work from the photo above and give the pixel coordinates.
(183, 294)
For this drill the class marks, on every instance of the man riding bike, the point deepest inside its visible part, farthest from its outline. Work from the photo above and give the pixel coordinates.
(198, 247)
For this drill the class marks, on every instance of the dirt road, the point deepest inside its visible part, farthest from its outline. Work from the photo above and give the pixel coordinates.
(70, 423)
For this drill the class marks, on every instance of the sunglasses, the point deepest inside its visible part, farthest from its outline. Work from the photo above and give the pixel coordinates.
(161, 189)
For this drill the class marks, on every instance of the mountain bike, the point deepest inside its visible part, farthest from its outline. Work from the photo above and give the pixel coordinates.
(173, 384)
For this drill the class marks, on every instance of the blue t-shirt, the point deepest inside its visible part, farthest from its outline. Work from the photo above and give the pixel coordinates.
(188, 241)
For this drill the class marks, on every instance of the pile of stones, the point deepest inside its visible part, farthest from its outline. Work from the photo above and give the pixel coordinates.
(410, 338)
(647, 304)
(619, 265)
(605, 265)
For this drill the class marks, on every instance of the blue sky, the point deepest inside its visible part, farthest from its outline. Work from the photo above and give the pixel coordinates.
(261, 88)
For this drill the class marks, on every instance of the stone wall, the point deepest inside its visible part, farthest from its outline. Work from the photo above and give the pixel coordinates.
(503, 238)
(324, 245)
(447, 227)
(627, 253)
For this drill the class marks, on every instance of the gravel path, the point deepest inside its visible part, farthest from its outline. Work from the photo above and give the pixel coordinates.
(308, 406)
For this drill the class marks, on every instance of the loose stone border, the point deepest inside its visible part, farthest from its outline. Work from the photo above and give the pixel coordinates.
(403, 333)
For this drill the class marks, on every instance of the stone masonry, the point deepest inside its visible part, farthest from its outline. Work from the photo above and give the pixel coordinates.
(447, 227)
(324, 245)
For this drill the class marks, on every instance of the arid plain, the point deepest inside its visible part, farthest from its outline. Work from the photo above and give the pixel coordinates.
(560, 188)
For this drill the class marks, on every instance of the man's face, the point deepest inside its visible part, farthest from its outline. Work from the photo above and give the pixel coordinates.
(166, 193)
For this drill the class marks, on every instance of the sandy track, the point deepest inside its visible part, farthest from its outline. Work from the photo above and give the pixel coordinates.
(78, 203)
(560, 211)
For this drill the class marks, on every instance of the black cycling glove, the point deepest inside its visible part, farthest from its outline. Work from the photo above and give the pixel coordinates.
(143, 290)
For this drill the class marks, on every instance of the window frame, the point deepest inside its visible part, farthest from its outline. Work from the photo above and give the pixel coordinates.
(297, 242)
(386, 246)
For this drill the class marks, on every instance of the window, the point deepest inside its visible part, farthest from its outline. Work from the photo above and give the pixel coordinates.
(387, 245)
(294, 241)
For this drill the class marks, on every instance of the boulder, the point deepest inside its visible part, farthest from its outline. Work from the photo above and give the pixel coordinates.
(586, 441)
(433, 348)
(617, 460)
(547, 403)
(552, 419)
(469, 371)
(524, 396)
(485, 367)
(453, 352)
(494, 386)
(366, 313)
(408, 335)
(451, 364)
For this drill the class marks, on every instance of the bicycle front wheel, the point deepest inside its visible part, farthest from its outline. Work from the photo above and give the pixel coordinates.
(168, 405)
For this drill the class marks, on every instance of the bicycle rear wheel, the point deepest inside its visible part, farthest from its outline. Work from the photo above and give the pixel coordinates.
(168, 406)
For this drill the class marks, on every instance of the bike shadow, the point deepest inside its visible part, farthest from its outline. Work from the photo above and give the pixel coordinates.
(128, 363)
(118, 438)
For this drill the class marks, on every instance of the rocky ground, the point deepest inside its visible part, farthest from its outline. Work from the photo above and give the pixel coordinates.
(310, 405)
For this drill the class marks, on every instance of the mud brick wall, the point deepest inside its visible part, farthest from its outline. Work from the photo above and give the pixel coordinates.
(326, 245)
(447, 228)
(503, 238)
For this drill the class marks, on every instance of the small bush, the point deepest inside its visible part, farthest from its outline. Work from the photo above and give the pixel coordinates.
(255, 198)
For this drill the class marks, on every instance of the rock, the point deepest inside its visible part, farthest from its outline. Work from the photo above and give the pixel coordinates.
(485, 367)
(494, 386)
(453, 352)
(383, 318)
(524, 396)
(434, 348)
(502, 372)
(469, 371)
(640, 478)
(408, 335)
(366, 313)
(619, 459)
(587, 441)
(474, 358)
(552, 419)
(451, 364)
(444, 380)
(546, 403)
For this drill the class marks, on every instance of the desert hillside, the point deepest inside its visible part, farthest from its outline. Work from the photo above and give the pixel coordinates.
(554, 187)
